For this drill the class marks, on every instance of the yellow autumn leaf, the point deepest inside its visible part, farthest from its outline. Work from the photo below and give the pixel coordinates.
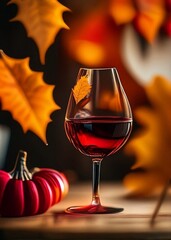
(25, 95)
(151, 145)
(81, 89)
(42, 20)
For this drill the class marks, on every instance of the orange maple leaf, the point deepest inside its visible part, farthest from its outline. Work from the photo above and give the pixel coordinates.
(42, 20)
(24, 93)
(81, 89)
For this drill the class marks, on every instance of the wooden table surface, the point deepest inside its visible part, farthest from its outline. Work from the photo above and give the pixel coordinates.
(132, 223)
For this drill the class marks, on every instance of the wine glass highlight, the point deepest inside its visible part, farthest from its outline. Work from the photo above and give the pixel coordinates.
(98, 122)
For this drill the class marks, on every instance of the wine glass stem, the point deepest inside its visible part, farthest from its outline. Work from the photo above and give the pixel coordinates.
(96, 181)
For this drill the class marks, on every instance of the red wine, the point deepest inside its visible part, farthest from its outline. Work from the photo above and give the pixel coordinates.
(98, 137)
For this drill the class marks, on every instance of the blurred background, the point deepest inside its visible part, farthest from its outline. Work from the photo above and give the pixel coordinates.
(133, 36)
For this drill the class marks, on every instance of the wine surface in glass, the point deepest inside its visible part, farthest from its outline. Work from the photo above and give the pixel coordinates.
(98, 136)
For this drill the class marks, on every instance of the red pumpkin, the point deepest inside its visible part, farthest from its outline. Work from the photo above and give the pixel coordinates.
(24, 194)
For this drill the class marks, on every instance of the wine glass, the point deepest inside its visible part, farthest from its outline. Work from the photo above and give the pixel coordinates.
(98, 122)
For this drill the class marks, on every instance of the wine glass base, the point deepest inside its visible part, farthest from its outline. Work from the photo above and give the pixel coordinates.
(93, 209)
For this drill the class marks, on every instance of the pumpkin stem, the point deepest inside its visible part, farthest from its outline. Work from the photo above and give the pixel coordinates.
(20, 170)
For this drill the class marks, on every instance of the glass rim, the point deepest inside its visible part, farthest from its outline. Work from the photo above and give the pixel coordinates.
(98, 68)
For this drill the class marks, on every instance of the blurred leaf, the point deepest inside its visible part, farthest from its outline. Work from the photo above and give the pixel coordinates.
(81, 89)
(42, 20)
(146, 15)
(24, 93)
(149, 20)
(110, 101)
(167, 26)
(123, 11)
(151, 145)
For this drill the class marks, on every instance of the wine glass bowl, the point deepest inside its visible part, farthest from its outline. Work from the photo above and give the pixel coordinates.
(98, 122)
